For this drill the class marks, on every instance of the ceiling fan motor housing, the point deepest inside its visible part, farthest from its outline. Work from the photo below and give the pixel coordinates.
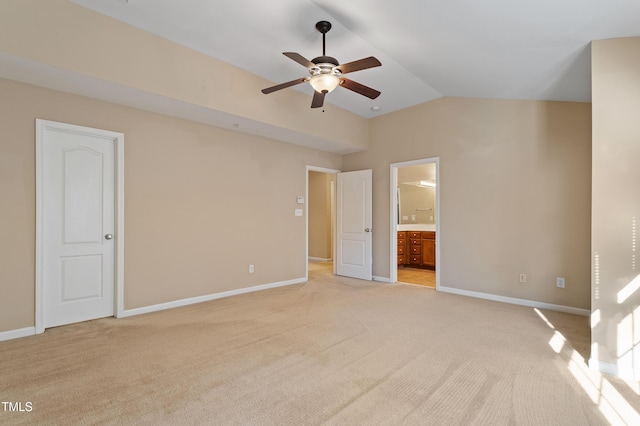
(324, 65)
(325, 60)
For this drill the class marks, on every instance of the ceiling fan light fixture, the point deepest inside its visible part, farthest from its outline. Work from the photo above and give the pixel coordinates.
(324, 83)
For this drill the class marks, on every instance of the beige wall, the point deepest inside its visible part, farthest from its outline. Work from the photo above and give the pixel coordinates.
(73, 39)
(319, 206)
(616, 204)
(201, 203)
(515, 192)
(417, 173)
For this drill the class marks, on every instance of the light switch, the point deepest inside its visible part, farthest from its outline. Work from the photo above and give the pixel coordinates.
(298, 212)
(300, 199)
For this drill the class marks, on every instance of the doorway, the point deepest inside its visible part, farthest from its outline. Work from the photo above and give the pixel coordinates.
(79, 224)
(415, 220)
(351, 219)
(321, 219)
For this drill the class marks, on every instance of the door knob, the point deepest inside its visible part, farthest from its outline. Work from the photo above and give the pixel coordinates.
(368, 230)
(108, 237)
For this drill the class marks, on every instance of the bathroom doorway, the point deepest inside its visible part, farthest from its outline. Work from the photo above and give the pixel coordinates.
(415, 200)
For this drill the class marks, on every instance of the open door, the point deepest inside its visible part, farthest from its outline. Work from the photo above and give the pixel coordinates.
(354, 225)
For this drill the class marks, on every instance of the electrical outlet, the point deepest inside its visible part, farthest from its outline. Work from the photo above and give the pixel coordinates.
(523, 278)
(251, 269)
(560, 282)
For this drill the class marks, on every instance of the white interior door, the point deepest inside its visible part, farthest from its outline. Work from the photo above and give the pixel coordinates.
(354, 225)
(77, 227)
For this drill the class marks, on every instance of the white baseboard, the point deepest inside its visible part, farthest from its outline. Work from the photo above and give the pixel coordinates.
(206, 298)
(381, 279)
(515, 301)
(603, 367)
(319, 259)
(16, 334)
(623, 372)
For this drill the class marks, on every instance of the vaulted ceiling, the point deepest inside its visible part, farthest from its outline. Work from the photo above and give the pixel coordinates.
(525, 49)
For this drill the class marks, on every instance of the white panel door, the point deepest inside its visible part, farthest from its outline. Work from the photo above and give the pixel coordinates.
(354, 239)
(78, 224)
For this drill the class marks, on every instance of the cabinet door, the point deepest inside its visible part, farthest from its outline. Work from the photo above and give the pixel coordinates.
(429, 252)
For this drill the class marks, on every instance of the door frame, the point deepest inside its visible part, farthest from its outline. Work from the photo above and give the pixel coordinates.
(393, 251)
(306, 217)
(118, 138)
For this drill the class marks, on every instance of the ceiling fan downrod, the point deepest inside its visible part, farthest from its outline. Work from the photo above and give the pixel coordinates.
(323, 27)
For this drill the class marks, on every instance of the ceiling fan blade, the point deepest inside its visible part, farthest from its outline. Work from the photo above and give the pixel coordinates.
(284, 85)
(361, 64)
(318, 99)
(299, 59)
(359, 88)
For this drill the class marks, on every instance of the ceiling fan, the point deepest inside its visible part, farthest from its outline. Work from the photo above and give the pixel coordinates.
(327, 73)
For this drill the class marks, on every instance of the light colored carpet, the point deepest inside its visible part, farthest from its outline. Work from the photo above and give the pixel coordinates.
(330, 351)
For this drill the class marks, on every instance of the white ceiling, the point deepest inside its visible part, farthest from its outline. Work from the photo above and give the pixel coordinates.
(518, 49)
